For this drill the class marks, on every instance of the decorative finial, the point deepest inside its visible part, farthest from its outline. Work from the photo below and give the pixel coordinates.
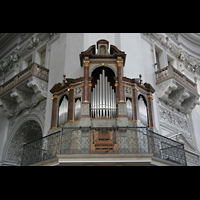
(141, 83)
(64, 81)
(140, 75)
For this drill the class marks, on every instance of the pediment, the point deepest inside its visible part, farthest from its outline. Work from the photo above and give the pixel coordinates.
(91, 54)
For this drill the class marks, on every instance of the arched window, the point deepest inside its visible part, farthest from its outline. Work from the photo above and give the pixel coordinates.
(142, 104)
(63, 111)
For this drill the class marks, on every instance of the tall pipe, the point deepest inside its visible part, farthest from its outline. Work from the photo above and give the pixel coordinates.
(109, 107)
(114, 102)
(103, 93)
(92, 104)
(100, 97)
(95, 101)
(98, 91)
(106, 102)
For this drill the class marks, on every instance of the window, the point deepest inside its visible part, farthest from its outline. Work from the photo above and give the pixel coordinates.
(157, 61)
(160, 58)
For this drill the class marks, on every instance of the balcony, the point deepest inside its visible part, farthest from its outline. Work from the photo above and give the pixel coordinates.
(104, 145)
(176, 89)
(24, 90)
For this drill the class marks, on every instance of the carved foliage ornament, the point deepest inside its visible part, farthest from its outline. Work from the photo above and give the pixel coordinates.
(174, 120)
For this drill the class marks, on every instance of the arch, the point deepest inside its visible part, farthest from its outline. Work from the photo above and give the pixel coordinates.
(19, 122)
(105, 65)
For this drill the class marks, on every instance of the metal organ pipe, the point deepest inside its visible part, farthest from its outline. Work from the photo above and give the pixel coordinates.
(103, 99)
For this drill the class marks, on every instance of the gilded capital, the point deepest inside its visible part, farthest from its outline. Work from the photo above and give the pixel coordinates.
(135, 88)
(120, 63)
(86, 63)
(71, 88)
(149, 96)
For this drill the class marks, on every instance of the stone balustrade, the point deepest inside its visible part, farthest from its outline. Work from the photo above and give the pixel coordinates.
(33, 70)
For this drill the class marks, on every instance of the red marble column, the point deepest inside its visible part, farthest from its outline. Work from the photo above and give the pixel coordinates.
(121, 97)
(70, 104)
(86, 81)
(54, 111)
(151, 111)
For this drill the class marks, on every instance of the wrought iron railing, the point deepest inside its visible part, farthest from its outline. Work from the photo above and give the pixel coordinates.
(103, 140)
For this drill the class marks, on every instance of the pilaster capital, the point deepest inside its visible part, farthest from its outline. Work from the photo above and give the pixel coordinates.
(135, 88)
(86, 63)
(119, 63)
(150, 97)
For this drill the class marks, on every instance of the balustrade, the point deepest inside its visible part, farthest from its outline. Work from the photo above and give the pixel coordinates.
(169, 72)
(33, 70)
(103, 140)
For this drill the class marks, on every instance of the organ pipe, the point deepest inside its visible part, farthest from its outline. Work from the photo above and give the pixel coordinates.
(103, 99)
(63, 112)
(129, 109)
(142, 111)
(77, 110)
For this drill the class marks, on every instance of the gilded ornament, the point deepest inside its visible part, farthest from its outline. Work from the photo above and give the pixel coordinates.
(86, 63)
(119, 63)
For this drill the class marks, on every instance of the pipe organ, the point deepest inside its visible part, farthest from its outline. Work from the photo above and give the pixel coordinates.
(103, 99)
(83, 101)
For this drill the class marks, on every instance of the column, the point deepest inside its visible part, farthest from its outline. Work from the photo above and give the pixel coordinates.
(71, 104)
(120, 80)
(151, 111)
(86, 81)
(85, 108)
(121, 104)
(54, 112)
